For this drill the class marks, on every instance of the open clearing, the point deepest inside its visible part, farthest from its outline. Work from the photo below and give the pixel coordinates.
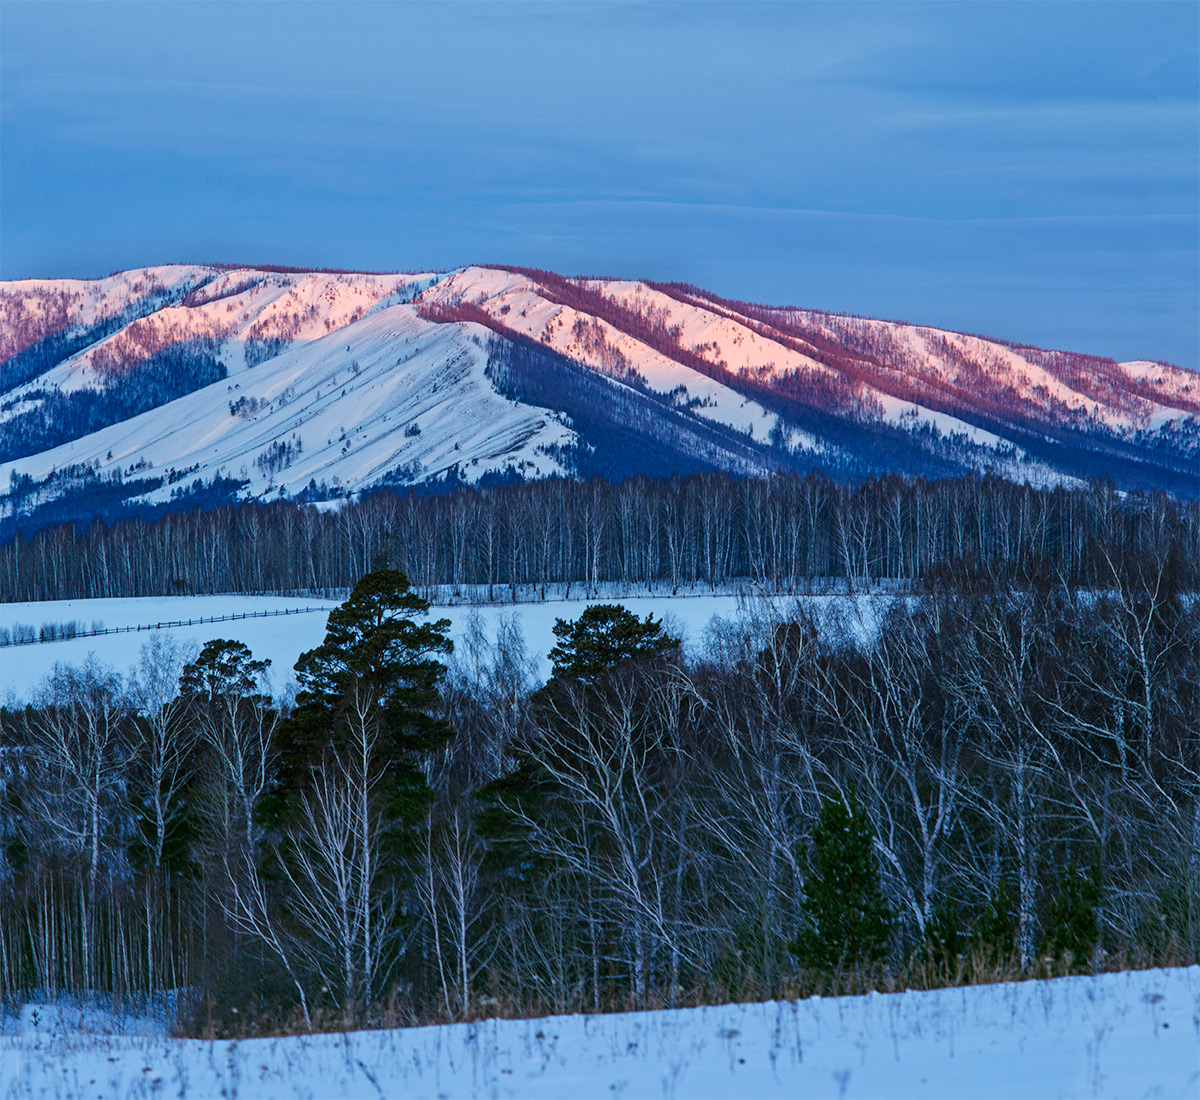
(282, 639)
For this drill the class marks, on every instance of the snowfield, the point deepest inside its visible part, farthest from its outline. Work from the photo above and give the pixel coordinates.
(282, 638)
(351, 407)
(1132, 1034)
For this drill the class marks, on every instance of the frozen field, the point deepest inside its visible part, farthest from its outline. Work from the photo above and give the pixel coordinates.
(283, 639)
(1119, 1035)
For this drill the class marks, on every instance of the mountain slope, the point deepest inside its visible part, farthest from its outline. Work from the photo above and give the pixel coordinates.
(1017, 411)
(273, 382)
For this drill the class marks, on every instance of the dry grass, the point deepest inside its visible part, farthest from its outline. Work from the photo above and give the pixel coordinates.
(257, 1018)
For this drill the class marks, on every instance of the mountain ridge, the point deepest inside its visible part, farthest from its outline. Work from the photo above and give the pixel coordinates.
(320, 384)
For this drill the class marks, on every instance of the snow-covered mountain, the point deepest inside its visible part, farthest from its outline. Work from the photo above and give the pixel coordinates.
(178, 381)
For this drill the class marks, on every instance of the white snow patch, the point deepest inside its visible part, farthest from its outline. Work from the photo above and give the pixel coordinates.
(1115, 1035)
(282, 638)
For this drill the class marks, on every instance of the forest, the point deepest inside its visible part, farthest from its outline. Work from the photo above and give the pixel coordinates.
(780, 534)
(1004, 782)
(126, 390)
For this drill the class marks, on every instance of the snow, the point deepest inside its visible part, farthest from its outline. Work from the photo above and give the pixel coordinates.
(718, 338)
(1006, 458)
(1173, 384)
(95, 299)
(548, 322)
(721, 339)
(897, 411)
(233, 306)
(282, 638)
(362, 372)
(386, 391)
(685, 617)
(1116, 1035)
(1143, 369)
(1038, 390)
(1173, 380)
(45, 1023)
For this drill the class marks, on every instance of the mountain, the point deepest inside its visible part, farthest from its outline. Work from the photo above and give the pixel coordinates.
(192, 382)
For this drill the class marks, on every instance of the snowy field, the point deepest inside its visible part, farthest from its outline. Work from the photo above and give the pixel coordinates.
(1118, 1035)
(282, 639)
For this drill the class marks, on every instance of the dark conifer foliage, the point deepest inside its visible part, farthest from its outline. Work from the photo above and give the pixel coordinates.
(994, 931)
(602, 637)
(375, 676)
(1073, 923)
(850, 923)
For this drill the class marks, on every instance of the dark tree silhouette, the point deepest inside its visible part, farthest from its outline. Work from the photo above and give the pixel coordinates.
(851, 923)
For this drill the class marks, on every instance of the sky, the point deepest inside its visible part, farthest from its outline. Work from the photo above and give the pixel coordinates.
(1023, 170)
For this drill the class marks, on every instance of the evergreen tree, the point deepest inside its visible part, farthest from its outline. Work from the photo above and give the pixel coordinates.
(1073, 930)
(598, 641)
(221, 691)
(377, 670)
(944, 941)
(994, 933)
(224, 670)
(851, 923)
(603, 636)
(590, 731)
(350, 796)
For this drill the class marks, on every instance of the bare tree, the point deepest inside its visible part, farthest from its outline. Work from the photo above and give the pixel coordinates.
(78, 734)
(167, 741)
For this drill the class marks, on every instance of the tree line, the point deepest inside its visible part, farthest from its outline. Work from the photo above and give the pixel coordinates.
(778, 533)
(1001, 781)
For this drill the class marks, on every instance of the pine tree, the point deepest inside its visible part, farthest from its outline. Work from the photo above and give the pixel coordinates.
(351, 798)
(1073, 930)
(603, 636)
(377, 668)
(224, 669)
(851, 923)
(591, 730)
(235, 718)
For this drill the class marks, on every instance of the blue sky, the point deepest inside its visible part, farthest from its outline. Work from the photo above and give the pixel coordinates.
(1025, 170)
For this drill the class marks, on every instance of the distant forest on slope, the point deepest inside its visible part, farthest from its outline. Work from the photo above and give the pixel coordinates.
(828, 405)
(779, 533)
(127, 389)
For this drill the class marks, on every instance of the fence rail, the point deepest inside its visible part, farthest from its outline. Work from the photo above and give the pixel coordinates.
(161, 626)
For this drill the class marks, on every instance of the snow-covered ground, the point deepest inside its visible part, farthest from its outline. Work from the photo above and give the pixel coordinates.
(349, 407)
(1118, 1035)
(282, 639)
